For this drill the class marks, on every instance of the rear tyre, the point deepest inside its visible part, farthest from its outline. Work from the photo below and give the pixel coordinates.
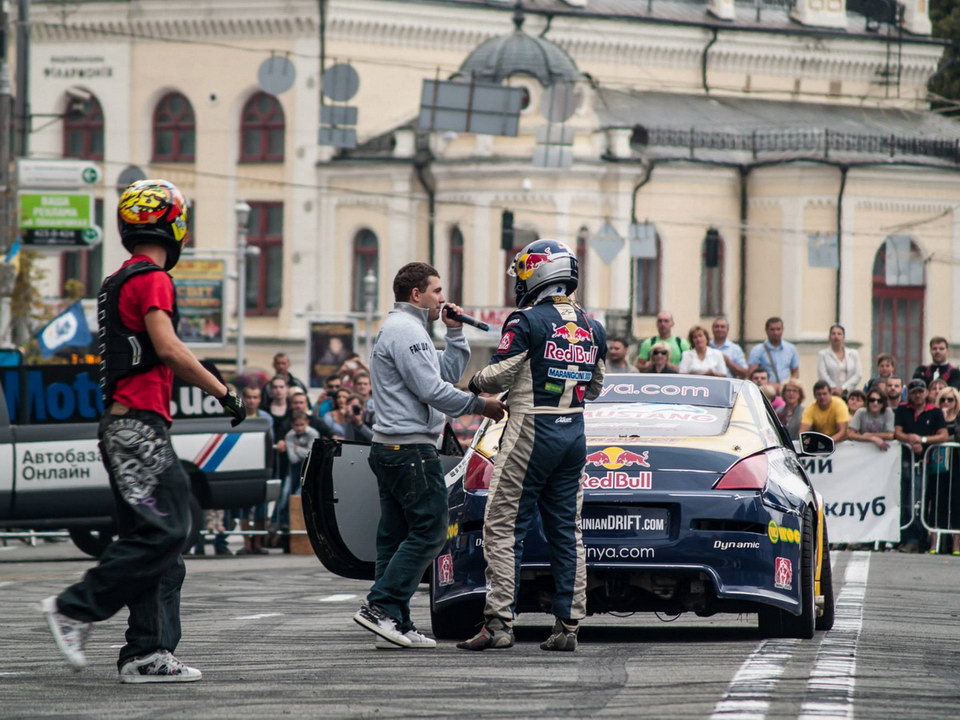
(826, 618)
(457, 622)
(777, 623)
(92, 541)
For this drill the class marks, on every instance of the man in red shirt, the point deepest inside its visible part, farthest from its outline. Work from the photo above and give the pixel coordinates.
(142, 570)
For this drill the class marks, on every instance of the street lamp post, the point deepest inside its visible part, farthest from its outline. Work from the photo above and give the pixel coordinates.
(369, 294)
(242, 211)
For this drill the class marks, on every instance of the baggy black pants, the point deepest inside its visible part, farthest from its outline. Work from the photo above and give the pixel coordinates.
(142, 570)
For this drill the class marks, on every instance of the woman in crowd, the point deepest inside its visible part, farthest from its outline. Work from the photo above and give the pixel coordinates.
(934, 388)
(792, 393)
(856, 400)
(944, 471)
(702, 359)
(838, 365)
(874, 422)
(659, 359)
(279, 408)
(338, 419)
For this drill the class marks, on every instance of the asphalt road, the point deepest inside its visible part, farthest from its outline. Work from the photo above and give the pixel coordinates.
(274, 637)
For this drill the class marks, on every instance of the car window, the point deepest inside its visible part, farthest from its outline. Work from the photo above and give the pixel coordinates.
(660, 419)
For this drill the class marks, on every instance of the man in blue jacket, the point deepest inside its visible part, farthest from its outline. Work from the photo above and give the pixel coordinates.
(412, 382)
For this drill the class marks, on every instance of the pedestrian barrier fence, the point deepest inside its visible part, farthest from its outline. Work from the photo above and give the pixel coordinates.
(939, 507)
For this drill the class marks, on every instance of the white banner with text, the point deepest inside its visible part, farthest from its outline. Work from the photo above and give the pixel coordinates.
(860, 485)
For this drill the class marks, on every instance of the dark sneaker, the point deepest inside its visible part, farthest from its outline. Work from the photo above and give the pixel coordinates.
(417, 640)
(563, 637)
(377, 621)
(160, 666)
(495, 633)
(69, 634)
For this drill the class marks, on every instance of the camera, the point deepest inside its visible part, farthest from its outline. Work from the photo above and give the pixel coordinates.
(357, 409)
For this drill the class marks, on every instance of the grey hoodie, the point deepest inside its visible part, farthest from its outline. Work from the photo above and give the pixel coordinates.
(412, 380)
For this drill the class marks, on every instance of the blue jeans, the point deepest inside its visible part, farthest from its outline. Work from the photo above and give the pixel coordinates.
(291, 486)
(413, 523)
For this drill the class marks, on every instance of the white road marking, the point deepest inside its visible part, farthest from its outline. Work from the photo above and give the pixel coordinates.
(112, 647)
(6, 582)
(833, 677)
(8, 674)
(749, 693)
(257, 617)
(337, 598)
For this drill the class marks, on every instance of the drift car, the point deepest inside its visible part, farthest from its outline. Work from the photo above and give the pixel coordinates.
(694, 500)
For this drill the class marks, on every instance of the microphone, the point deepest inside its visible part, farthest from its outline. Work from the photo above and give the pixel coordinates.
(466, 319)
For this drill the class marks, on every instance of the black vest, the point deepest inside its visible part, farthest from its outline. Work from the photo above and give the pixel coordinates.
(122, 351)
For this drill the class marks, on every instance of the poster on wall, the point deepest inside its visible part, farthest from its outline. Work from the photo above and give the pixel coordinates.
(329, 344)
(199, 285)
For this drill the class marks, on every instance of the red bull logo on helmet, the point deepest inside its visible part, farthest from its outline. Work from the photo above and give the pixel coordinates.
(571, 332)
(614, 458)
(528, 262)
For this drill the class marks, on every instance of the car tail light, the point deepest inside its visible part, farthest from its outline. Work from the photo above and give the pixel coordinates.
(748, 474)
(479, 470)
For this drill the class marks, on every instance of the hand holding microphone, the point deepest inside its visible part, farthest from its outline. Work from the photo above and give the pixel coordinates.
(453, 312)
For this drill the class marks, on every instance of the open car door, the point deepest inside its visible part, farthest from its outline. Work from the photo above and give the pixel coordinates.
(341, 503)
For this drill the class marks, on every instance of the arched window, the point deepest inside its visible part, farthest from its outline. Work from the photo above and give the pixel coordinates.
(83, 132)
(454, 282)
(898, 306)
(646, 283)
(366, 253)
(265, 270)
(174, 129)
(261, 129)
(711, 275)
(583, 236)
(521, 238)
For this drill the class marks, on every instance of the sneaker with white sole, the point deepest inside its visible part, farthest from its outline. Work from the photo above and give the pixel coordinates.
(417, 640)
(69, 634)
(160, 666)
(377, 621)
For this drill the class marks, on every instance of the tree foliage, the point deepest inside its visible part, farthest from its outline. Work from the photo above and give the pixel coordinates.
(945, 17)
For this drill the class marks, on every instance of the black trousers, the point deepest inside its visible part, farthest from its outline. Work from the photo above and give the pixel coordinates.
(142, 570)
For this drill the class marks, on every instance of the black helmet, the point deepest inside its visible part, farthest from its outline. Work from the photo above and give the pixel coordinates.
(541, 263)
(153, 211)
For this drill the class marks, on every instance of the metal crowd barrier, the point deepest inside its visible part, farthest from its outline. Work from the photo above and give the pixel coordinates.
(939, 506)
(908, 502)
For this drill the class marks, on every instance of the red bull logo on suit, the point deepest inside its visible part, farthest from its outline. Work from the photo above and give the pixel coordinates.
(570, 354)
(571, 332)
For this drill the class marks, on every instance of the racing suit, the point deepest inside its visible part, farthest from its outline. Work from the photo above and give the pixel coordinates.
(551, 358)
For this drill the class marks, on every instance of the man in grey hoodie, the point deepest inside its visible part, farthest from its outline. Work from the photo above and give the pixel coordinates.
(412, 382)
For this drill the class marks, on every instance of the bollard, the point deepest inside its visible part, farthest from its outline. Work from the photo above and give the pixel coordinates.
(299, 543)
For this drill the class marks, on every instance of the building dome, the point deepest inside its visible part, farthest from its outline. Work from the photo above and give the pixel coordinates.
(518, 53)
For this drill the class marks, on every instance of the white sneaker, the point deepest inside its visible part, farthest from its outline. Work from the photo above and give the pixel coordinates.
(70, 635)
(417, 640)
(160, 666)
(377, 621)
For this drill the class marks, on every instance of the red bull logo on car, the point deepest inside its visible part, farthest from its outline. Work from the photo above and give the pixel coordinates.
(617, 481)
(614, 458)
(571, 332)
(529, 262)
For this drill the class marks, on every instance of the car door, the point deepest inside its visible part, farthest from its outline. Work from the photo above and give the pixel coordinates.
(341, 503)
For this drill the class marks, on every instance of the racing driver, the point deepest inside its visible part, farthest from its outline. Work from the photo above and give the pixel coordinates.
(551, 358)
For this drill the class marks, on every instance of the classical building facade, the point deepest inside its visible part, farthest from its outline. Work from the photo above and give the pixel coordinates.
(770, 130)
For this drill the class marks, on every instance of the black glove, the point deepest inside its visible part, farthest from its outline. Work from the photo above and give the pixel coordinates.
(234, 406)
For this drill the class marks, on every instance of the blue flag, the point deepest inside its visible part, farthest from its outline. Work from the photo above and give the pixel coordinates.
(68, 329)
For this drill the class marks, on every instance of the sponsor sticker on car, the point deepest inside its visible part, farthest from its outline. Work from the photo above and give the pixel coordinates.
(445, 569)
(783, 573)
(779, 533)
(632, 522)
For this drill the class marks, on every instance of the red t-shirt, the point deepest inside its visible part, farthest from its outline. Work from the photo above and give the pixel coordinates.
(150, 390)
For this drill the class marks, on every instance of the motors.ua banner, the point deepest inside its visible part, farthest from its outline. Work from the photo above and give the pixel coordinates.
(860, 485)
